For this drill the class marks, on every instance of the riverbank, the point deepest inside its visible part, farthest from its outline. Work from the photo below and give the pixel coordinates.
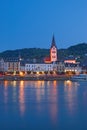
(35, 77)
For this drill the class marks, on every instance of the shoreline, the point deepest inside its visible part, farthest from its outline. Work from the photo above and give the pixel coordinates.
(35, 78)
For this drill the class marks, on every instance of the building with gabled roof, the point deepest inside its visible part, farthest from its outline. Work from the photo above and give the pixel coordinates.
(53, 53)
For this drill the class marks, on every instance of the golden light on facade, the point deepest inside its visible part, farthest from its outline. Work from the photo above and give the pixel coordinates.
(37, 73)
(21, 74)
(70, 61)
(42, 72)
(14, 73)
(54, 72)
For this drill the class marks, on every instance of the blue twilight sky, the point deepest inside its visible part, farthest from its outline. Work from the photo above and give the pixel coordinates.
(31, 23)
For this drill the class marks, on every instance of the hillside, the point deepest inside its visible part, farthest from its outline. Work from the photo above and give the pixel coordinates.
(26, 53)
(78, 51)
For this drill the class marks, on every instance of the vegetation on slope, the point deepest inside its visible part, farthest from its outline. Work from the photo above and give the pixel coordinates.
(79, 51)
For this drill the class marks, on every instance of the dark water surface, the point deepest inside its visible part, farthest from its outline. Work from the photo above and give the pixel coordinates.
(43, 105)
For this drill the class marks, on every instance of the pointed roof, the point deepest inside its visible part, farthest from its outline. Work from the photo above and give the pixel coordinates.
(53, 42)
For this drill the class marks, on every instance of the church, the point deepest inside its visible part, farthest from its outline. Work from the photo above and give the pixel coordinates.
(53, 53)
(48, 61)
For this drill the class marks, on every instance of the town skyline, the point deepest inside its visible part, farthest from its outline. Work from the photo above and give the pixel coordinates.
(43, 64)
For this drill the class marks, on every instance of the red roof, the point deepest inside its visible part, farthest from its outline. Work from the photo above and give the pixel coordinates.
(47, 60)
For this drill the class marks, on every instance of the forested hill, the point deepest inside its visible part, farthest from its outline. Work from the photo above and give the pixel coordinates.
(79, 50)
(26, 53)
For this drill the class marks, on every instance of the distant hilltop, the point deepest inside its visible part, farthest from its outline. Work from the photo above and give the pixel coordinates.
(78, 51)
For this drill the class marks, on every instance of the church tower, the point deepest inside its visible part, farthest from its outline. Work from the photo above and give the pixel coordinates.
(53, 51)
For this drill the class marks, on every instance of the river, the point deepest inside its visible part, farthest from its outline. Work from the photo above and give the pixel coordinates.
(43, 105)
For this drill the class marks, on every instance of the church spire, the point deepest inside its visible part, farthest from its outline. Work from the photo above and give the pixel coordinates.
(53, 42)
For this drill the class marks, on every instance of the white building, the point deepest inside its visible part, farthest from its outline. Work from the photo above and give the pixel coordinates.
(60, 67)
(73, 67)
(39, 67)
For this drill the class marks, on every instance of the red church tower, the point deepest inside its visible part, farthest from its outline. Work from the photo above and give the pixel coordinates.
(53, 51)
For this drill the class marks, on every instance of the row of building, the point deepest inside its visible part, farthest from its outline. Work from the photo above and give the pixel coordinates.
(50, 64)
(16, 65)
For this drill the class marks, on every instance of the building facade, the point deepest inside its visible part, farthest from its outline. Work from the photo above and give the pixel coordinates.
(2, 64)
(60, 67)
(12, 65)
(39, 67)
(53, 51)
(73, 67)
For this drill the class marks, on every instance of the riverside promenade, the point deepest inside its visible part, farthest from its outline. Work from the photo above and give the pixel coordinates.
(34, 77)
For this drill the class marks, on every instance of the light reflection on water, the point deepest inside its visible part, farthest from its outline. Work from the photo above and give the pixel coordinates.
(70, 90)
(5, 91)
(21, 97)
(47, 102)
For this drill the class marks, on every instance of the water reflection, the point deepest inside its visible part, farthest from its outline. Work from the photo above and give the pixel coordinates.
(42, 92)
(56, 101)
(69, 83)
(5, 91)
(13, 84)
(45, 92)
(71, 98)
(55, 83)
(5, 84)
(21, 97)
